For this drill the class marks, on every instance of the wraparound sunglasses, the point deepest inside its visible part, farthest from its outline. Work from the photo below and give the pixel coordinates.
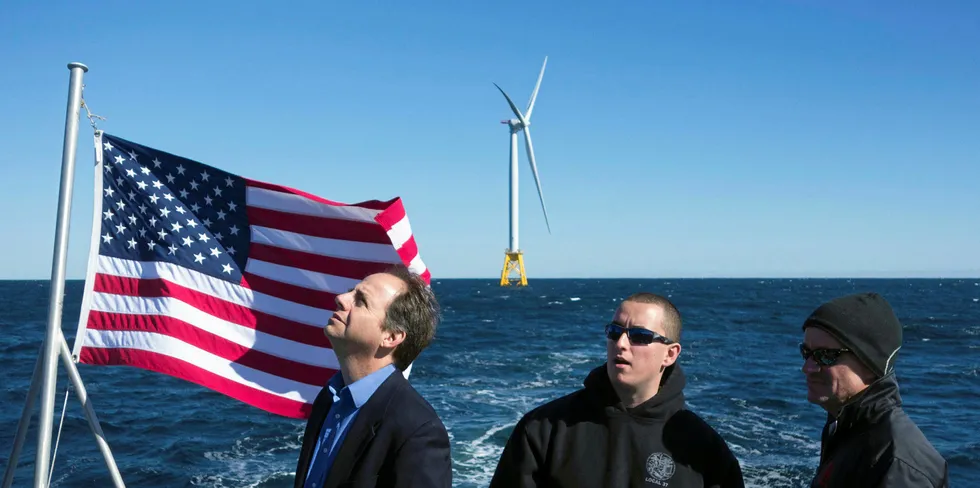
(636, 335)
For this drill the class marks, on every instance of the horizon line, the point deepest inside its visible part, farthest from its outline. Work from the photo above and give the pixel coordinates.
(552, 278)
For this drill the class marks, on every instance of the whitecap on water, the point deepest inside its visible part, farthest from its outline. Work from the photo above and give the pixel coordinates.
(575, 299)
(250, 462)
(479, 457)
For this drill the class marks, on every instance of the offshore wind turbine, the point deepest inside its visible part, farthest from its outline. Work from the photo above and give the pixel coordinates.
(514, 257)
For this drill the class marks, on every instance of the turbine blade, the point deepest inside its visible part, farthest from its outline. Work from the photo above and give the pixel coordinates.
(534, 94)
(534, 170)
(513, 107)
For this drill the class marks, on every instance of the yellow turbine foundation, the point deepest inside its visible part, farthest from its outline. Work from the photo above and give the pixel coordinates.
(513, 261)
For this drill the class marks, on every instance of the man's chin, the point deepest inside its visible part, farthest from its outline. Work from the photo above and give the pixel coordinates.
(817, 398)
(618, 374)
(333, 330)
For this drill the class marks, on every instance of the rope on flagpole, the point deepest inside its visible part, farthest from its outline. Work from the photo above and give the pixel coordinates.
(61, 424)
(91, 116)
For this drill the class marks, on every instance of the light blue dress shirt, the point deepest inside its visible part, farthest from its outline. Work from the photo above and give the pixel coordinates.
(347, 403)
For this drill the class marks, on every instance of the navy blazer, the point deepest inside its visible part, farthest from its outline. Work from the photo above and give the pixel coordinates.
(397, 440)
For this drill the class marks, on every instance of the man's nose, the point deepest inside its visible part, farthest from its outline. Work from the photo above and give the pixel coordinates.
(343, 300)
(810, 366)
(624, 341)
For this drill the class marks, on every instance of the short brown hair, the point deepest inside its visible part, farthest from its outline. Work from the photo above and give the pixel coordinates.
(414, 312)
(672, 318)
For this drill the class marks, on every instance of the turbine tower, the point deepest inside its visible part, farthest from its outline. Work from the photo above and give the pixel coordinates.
(514, 257)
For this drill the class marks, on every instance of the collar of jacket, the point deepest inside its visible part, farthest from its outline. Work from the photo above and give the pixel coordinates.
(669, 399)
(869, 406)
(363, 429)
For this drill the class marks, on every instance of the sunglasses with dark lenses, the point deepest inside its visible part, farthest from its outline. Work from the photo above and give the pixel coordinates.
(636, 335)
(823, 357)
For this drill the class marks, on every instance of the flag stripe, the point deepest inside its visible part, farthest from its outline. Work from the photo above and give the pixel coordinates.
(108, 286)
(297, 204)
(194, 335)
(161, 363)
(316, 352)
(298, 294)
(343, 268)
(300, 277)
(409, 252)
(169, 346)
(360, 251)
(214, 287)
(392, 215)
(367, 205)
(330, 228)
(399, 233)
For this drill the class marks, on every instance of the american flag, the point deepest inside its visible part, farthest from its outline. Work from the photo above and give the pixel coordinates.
(224, 281)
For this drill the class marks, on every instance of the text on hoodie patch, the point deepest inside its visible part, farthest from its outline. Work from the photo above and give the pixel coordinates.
(660, 467)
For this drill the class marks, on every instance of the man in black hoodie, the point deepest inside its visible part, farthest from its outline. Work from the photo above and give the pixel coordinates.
(849, 349)
(629, 426)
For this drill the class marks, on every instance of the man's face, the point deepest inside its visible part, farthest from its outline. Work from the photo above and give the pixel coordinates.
(356, 325)
(831, 386)
(638, 366)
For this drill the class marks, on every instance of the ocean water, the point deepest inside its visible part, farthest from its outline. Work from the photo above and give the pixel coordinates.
(502, 351)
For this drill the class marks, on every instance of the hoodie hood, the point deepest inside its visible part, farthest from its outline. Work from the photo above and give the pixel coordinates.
(669, 399)
(869, 406)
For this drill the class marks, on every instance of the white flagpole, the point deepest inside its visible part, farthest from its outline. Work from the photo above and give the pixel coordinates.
(49, 369)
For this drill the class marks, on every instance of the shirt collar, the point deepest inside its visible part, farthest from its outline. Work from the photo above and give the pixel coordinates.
(362, 389)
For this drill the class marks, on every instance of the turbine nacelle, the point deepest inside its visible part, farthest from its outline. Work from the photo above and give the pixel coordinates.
(514, 124)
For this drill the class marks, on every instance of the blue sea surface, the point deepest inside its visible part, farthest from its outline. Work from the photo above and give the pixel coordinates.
(502, 351)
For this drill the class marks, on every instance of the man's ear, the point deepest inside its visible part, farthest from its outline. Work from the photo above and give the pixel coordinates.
(673, 352)
(390, 339)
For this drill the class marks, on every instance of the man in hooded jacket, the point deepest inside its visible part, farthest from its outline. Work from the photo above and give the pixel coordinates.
(629, 426)
(849, 349)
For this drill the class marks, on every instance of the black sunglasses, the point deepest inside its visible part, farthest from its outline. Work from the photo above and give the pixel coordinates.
(823, 357)
(636, 335)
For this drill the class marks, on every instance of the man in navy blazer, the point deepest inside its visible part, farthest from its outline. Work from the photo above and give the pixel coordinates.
(369, 427)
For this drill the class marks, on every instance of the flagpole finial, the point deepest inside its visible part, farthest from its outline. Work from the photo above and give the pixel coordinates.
(78, 65)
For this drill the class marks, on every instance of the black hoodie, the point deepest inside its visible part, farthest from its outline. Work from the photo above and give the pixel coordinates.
(873, 443)
(589, 439)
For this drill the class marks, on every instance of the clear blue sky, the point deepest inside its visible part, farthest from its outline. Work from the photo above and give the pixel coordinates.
(745, 138)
